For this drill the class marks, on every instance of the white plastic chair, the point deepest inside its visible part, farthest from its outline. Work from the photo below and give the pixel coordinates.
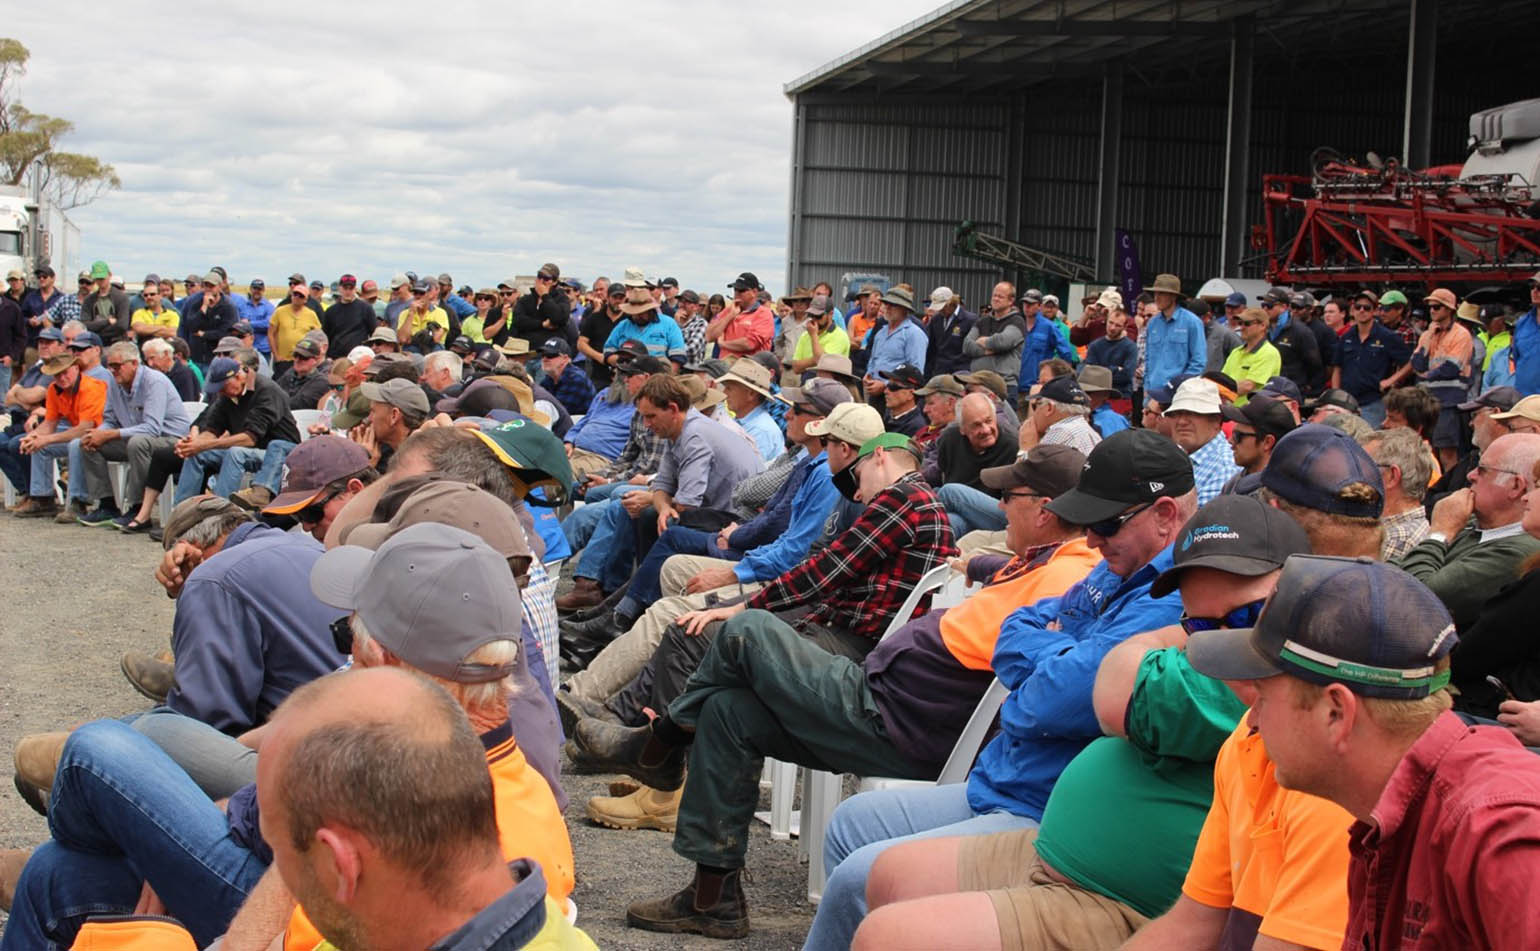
(194, 409)
(305, 418)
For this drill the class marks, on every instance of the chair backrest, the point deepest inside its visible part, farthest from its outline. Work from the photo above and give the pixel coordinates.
(971, 739)
(305, 418)
(953, 592)
(930, 581)
(194, 409)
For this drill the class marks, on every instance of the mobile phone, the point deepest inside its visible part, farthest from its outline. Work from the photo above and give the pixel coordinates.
(1497, 682)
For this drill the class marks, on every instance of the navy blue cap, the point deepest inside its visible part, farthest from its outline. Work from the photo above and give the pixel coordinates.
(50, 333)
(85, 339)
(1064, 389)
(219, 373)
(905, 375)
(1282, 386)
(555, 347)
(1236, 299)
(1165, 394)
(1313, 465)
(1353, 621)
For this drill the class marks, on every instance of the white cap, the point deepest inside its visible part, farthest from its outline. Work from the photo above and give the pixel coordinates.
(1110, 299)
(852, 423)
(1196, 395)
(940, 297)
(634, 277)
(359, 352)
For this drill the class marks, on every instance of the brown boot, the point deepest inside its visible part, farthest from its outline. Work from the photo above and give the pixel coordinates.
(585, 593)
(70, 513)
(645, 808)
(35, 506)
(713, 905)
(37, 757)
(12, 861)
(253, 498)
(152, 678)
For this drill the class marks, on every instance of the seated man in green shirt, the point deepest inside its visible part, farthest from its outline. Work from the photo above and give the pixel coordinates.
(821, 335)
(1256, 360)
(1123, 818)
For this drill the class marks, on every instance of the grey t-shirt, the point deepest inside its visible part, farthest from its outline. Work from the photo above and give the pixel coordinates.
(701, 467)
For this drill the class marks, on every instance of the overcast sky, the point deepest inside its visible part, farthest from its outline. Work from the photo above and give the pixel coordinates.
(478, 139)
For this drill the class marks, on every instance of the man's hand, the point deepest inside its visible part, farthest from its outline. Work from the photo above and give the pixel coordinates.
(709, 579)
(34, 420)
(595, 478)
(1246, 386)
(638, 479)
(694, 622)
(149, 902)
(1522, 718)
(319, 429)
(1452, 512)
(666, 514)
(32, 442)
(175, 565)
(873, 386)
(635, 503)
(725, 534)
(568, 447)
(93, 439)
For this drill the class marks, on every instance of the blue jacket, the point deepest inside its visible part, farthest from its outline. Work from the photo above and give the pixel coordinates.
(1525, 353)
(804, 508)
(605, 428)
(1043, 342)
(1108, 421)
(247, 630)
(1175, 345)
(1047, 717)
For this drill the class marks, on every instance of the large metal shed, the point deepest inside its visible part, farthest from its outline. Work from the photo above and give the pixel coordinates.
(1056, 122)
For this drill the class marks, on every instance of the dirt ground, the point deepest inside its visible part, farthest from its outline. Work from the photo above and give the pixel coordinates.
(80, 597)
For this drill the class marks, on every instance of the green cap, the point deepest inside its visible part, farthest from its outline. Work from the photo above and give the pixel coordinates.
(1392, 297)
(531, 451)
(887, 441)
(99, 270)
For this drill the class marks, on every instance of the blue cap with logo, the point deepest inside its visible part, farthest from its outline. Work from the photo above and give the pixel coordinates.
(219, 373)
(1236, 534)
(85, 339)
(1315, 466)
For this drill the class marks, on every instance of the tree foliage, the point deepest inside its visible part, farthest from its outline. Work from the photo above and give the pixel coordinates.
(69, 179)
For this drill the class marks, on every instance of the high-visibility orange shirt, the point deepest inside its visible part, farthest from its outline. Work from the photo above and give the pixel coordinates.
(86, 402)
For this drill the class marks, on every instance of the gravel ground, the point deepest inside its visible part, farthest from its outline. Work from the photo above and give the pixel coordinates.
(97, 598)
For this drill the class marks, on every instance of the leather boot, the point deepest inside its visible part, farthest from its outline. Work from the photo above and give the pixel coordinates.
(36, 506)
(605, 607)
(573, 708)
(712, 905)
(635, 751)
(152, 678)
(645, 808)
(12, 861)
(585, 593)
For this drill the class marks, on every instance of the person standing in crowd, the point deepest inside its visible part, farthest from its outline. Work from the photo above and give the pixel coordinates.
(207, 319)
(901, 341)
(820, 336)
(1173, 337)
(692, 325)
(997, 341)
(256, 310)
(348, 321)
(106, 311)
(544, 311)
(948, 325)
(1444, 365)
(863, 319)
(594, 329)
(1524, 350)
(1042, 339)
(1369, 358)
(1256, 360)
(746, 326)
(1296, 345)
(156, 319)
(1115, 351)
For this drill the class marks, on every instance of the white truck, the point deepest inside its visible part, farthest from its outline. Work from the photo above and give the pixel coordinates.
(35, 232)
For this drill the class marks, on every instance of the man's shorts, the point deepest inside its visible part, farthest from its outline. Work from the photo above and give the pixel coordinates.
(1036, 911)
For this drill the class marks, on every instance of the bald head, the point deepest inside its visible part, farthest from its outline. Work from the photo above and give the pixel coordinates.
(1516, 451)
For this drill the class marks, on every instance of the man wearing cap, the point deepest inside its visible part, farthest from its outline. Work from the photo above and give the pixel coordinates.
(1195, 419)
(383, 340)
(745, 326)
(747, 387)
(1405, 468)
(1298, 352)
(1174, 340)
(790, 320)
(941, 394)
(1256, 360)
(397, 408)
(1395, 313)
(689, 314)
(1488, 419)
(1477, 540)
(1122, 819)
(248, 415)
(304, 382)
(566, 382)
(1324, 479)
(74, 404)
(1444, 365)
(1059, 414)
(901, 414)
(13, 327)
(863, 317)
(206, 318)
(1221, 336)
(901, 341)
(156, 318)
(481, 328)
(595, 328)
(544, 311)
(1115, 351)
(422, 316)
(642, 323)
(350, 319)
(257, 311)
(1257, 427)
(400, 299)
(1097, 383)
(105, 312)
(1350, 662)
(46, 306)
(822, 336)
(1042, 339)
(947, 325)
(26, 395)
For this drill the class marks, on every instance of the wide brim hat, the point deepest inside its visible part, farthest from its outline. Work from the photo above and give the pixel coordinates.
(638, 301)
(1167, 284)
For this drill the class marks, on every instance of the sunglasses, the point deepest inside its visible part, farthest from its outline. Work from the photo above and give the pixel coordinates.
(1109, 527)
(342, 634)
(1013, 496)
(1437, 307)
(1363, 306)
(315, 511)
(1244, 616)
(115, 366)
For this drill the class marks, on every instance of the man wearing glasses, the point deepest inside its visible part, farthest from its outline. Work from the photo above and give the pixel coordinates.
(1256, 360)
(1369, 358)
(544, 311)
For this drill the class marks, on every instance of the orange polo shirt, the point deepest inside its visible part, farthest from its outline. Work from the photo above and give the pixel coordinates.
(969, 629)
(86, 402)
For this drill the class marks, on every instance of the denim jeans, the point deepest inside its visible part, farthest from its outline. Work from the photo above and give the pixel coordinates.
(43, 471)
(121, 812)
(969, 509)
(270, 471)
(580, 525)
(866, 824)
(647, 585)
(220, 764)
(230, 466)
(608, 556)
(13, 464)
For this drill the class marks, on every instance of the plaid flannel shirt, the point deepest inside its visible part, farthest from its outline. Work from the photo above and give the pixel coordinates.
(642, 456)
(861, 579)
(694, 331)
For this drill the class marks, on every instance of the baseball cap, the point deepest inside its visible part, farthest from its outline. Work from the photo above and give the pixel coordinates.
(255, 283)
(398, 392)
(988, 379)
(1063, 389)
(1341, 399)
(16, 274)
(85, 340)
(1528, 408)
(421, 286)
(669, 282)
(1353, 621)
(1050, 470)
(713, 367)
(228, 345)
(1276, 295)
(99, 270)
(534, 454)
(647, 364)
(431, 594)
(311, 467)
(479, 398)
(1234, 533)
(820, 393)
(817, 307)
(1032, 295)
(1392, 297)
(347, 279)
(549, 270)
(369, 285)
(296, 278)
(853, 423)
(382, 334)
(398, 280)
(555, 347)
(941, 296)
(905, 376)
(940, 383)
(1281, 386)
(1236, 299)
(1314, 464)
(1130, 467)
(690, 297)
(305, 347)
(1501, 398)
(887, 441)
(57, 363)
(1269, 417)
(1197, 395)
(51, 333)
(219, 373)
(317, 286)
(354, 412)
(42, 270)
(745, 282)
(240, 328)
(467, 507)
(461, 345)
(191, 512)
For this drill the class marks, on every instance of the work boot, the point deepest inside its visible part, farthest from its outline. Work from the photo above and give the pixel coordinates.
(572, 708)
(604, 607)
(165, 656)
(253, 498)
(585, 593)
(12, 861)
(36, 506)
(74, 510)
(35, 797)
(635, 751)
(599, 630)
(152, 678)
(37, 757)
(713, 905)
(646, 808)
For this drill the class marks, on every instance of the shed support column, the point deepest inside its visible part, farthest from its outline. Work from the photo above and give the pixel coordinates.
(794, 216)
(1417, 140)
(1233, 238)
(1111, 167)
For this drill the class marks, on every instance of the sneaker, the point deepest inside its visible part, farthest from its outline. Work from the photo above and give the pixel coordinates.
(105, 516)
(253, 499)
(157, 534)
(127, 525)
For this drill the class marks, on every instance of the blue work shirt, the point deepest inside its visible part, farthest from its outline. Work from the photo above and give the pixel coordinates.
(810, 506)
(1497, 373)
(606, 426)
(1525, 353)
(1362, 364)
(892, 346)
(258, 314)
(459, 306)
(761, 426)
(1047, 718)
(152, 407)
(1108, 420)
(247, 630)
(1175, 345)
(548, 527)
(703, 465)
(1043, 342)
(662, 336)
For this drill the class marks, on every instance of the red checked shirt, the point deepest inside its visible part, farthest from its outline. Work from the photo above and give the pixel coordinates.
(1451, 854)
(860, 580)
